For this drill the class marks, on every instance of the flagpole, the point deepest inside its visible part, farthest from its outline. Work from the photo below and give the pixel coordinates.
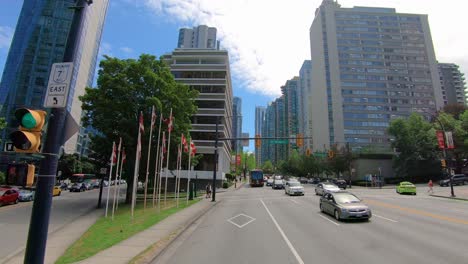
(148, 158)
(117, 182)
(137, 166)
(179, 163)
(110, 176)
(156, 167)
(161, 151)
(120, 178)
(188, 174)
(167, 160)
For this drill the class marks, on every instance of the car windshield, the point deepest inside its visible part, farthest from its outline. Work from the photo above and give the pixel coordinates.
(294, 184)
(331, 186)
(346, 198)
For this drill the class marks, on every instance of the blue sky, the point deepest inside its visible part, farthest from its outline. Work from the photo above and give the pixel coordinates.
(267, 40)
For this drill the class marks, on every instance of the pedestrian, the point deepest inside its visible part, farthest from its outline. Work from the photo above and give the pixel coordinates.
(208, 191)
(430, 185)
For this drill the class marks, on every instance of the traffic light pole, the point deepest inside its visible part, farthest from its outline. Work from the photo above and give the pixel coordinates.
(215, 167)
(39, 223)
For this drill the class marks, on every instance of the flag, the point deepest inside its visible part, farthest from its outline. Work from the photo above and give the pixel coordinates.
(193, 149)
(124, 156)
(164, 143)
(449, 139)
(184, 142)
(114, 154)
(142, 126)
(170, 123)
(153, 117)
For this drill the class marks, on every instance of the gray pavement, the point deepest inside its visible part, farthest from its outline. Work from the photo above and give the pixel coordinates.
(71, 215)
(404, 229)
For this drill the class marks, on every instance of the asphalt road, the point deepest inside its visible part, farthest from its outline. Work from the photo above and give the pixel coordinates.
(271, 227)
(14, 219)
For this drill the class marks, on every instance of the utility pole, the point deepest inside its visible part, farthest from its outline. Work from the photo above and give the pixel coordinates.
(215, 167)
(39, 223)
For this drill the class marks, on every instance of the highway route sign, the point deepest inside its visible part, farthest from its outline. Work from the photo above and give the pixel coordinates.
(59, 85)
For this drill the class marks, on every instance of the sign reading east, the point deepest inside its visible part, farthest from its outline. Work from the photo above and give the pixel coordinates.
(59, 85)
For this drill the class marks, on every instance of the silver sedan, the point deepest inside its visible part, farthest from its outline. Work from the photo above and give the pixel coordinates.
(344, 205)
(325, 187)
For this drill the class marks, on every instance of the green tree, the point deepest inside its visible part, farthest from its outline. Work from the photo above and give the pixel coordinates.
(2, 124)
(415, 140)
(126, 87)
(268, 167)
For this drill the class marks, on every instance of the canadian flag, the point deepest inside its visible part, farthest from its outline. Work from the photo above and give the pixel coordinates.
(142, 126)
(164, 143)
(193, 149)
(124, 156)
(141, 130)
(184, 142)
(153, 117)
(170, 123)
(114, 154)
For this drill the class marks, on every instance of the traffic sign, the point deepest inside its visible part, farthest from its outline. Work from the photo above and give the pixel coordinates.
(279, 141)
(9, 146)
(59, 85)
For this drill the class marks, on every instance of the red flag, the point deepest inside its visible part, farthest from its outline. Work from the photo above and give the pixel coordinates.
(184, 143)
(164, 143)
(142, 126)
(193, 149)
(114, 154)
(440, 139)
(124, 156)
(153, 117)
(170, 123)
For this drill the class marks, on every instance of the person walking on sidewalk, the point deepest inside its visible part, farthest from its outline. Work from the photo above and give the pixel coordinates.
(430, 185)
(208, 191)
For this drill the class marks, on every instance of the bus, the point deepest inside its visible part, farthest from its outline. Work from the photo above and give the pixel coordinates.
(256, 178)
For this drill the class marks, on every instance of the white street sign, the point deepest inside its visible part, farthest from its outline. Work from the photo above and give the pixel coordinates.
(9, 146)
(59, 85)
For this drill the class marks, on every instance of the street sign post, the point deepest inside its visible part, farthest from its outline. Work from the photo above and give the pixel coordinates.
(59, 85)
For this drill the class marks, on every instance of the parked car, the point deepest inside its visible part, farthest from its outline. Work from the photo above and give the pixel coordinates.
(269, 182)
(26, 195)
(277, 184)
(8, 196)
(340, 183)
(344, 205)
(313, 181)
(457, 179)
(293, 188)
(326, 187)
(57, 191)
(63, 186)
(303, 180)
(406, 187)
(77, 187)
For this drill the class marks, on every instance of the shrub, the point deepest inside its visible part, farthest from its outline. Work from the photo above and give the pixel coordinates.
(225, 185)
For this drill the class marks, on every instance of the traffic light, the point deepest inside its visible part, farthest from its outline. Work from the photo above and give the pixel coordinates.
(443, 163)
(299, 140)
(258, 141)
(20, 174)
(331, 154)
(28, 138)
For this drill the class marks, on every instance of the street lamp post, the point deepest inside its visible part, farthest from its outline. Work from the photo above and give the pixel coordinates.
(215, 167)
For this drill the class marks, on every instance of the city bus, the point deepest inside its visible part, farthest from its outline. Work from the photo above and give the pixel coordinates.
(256, 178)
(82, 177)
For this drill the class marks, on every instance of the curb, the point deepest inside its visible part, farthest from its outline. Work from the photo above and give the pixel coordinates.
(448, 197)
(22, 249)
(175, 234)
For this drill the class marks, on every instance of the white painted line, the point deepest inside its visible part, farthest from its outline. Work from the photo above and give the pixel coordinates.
(294, 201)
(241, 226)
(298, 258)
(388, 219)
(326, 218)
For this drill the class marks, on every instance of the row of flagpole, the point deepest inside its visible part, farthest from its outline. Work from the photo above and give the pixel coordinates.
(158, 165)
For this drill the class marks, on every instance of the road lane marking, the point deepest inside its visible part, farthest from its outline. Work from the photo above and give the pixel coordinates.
(388, 219)
(326, 218)
(293, 250)
(251, 219)
(420, 212)
(294, 201)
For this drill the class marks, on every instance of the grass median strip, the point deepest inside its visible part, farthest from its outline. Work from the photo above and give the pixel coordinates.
(106, 232)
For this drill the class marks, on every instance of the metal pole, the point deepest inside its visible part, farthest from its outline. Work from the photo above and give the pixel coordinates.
(215, 167)
(39, 223)
(452, 193)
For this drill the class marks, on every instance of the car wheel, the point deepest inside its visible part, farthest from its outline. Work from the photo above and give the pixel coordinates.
(321, 208)
(59, 194)
(337, 215)
(16, 201)
(316, 193)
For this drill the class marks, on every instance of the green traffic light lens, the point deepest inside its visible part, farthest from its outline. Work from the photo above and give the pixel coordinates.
(28, 121)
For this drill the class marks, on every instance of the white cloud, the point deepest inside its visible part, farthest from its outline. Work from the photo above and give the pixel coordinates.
(268, 40)
(126, 49)
(6, 35)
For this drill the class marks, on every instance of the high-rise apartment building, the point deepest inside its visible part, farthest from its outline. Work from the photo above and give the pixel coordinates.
(453, 84)
(39, 41)
(237, 124)
(208, 72)
(304, 94)
(291, 109)
(275, 126)
(259, 120)
(201, 37)
(369, 65)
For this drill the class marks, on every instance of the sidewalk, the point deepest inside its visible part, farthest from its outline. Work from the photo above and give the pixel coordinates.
(445, 192)
(161, 233)
(61, 239)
